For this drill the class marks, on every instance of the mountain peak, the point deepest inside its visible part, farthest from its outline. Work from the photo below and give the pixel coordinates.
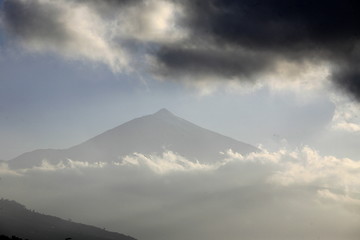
(163, 112)
(150, 134)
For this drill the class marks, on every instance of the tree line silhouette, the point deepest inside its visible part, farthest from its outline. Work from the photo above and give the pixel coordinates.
(3, 237)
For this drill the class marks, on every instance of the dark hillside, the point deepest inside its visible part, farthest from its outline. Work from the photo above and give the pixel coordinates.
(16, 220)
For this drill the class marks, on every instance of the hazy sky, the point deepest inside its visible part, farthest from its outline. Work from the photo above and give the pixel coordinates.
(283, 75)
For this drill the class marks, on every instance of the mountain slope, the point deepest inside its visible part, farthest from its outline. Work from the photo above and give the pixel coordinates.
(16, 220)
(149, 134)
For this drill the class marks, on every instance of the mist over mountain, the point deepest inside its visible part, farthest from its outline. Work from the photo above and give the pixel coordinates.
(151, 134)
(16, 220)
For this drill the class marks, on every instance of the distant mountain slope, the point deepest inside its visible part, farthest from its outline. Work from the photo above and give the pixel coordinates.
(149, 134)
(16, 220)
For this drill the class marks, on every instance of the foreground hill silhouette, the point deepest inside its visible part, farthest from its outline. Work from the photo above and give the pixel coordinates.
(151, 134)
(3, 237)
(16, 220)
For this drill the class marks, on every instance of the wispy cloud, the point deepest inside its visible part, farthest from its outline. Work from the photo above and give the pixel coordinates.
(69, 29)
(5, 170)
(346, 116)
(167, 163)
(90, 30)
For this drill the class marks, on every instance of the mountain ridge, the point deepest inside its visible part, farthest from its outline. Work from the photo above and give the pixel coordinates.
(149, 134)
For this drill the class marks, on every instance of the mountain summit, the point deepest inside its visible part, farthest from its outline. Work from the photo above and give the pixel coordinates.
(163, 112)
(151, 134)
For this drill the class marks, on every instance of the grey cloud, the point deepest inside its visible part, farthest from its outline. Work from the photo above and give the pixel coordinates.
(176, 61)
(110, 2)
(347, 78)
(30, 20)
(292, 30)
(108, 6)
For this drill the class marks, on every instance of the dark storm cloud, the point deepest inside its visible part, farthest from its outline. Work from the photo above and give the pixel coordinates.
(109, 2)
(210, 62)
(108, 6)
(347, 76)
(29, 20)
(292, 30)
(276, 24)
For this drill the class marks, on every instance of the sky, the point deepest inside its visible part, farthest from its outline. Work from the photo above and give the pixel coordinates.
(280, 75)
(73, 69)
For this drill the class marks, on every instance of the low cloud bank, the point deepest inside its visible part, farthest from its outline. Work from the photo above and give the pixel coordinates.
(286, 194)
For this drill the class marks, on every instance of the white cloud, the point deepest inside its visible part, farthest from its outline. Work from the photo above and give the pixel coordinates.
(307, 167)
(150, 21)
(300, 77)
(348, 127)
(347, 115)
(4, 170)
(347, 200)
(167, 163)
(46, 166)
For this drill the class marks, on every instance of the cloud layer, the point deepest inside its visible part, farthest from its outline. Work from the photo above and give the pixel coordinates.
(286, 194)
(197, 41)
